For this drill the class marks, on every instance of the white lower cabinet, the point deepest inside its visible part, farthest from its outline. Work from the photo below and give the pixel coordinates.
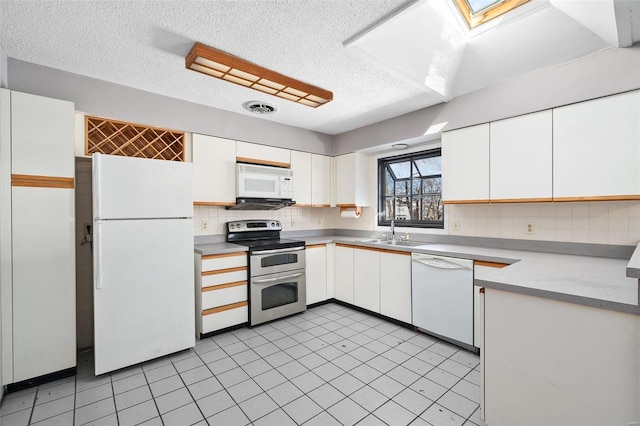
(395, 285)
(374, 279)
(221, 291)
(43, 282)
(366, 279)
(344, 273)
(477, 317)
(547, 362)
(316, 273)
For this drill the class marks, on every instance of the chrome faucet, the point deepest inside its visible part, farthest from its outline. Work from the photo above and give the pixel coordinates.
(393, 230)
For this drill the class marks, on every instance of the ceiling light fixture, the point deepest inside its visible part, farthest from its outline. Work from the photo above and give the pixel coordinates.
(400, 146)
(222, 65)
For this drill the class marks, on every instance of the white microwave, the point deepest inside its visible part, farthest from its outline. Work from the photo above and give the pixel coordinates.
(254, 181)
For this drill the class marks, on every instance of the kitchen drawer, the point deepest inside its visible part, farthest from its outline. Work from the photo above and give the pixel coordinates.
(225, 316)
(224, 261)
(224, 295)
(221, 277)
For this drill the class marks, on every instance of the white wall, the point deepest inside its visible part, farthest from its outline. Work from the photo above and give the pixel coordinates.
(604, 73)
(104, 99)
(4, 81)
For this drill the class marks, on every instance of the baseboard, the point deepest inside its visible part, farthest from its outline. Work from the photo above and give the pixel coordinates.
(45, 378)
(372, 313)
(223, 330)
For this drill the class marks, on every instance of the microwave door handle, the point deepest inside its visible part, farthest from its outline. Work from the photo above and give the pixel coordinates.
(270, 280)
(284, 250)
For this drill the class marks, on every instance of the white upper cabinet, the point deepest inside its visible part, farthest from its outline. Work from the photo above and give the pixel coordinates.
(521, 158)
(596, 149)
(42, 132)
(263, 154)
(465, 165)
(302, 178)
(320, 180)
(352, 180)
(214, 170)
(312, 179)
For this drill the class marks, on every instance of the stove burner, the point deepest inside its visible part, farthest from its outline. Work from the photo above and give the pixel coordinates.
(259, 235)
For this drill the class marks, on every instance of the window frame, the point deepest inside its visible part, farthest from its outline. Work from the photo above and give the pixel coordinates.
(382, 165)
(485, 15)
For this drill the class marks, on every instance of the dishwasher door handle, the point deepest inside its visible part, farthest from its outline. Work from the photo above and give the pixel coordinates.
(440, 264)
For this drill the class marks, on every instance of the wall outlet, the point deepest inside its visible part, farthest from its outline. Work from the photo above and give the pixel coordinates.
(318, 221)
(293, 222)
(529, 228)
(204, 225)
(456, 225)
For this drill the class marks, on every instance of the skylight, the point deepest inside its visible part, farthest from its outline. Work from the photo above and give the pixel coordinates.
(477, 12)
(479, 5)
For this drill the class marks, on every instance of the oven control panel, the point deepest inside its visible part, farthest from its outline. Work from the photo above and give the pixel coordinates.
(254, 225)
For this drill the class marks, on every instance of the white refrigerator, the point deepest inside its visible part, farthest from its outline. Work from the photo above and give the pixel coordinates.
(144, 304)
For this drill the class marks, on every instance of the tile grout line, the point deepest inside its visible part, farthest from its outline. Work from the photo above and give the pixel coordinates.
(342, 320)
(188, 390)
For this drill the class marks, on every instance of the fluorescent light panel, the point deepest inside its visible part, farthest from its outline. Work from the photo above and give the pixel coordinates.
(222, 65)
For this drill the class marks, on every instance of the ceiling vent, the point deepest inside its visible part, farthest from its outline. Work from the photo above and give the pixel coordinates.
(258, 107)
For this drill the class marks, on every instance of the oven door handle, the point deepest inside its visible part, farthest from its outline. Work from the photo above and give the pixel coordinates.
(270, 280)
(283, 250)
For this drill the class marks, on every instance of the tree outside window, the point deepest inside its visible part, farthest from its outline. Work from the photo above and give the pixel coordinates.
(410, 190)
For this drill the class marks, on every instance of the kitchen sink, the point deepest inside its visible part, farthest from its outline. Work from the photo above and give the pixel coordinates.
(403, 243)
(394, 243)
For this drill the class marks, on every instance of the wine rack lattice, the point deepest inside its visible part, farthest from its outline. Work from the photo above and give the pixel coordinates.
(132, 140)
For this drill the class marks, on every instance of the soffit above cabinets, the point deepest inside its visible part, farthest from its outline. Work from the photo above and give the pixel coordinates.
(426, 54)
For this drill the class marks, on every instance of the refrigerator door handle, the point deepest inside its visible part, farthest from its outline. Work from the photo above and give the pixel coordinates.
(98, 255)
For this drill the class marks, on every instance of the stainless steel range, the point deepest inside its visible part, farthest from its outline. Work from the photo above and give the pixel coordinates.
(276, 267)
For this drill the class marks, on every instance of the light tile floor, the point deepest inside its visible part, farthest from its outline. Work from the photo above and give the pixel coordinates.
(328, 366)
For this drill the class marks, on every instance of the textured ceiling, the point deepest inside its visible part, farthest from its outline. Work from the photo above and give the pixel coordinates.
(143, 44)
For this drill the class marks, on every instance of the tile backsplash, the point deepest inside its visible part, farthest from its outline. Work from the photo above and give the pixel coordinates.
(292, 218)
(598, 222)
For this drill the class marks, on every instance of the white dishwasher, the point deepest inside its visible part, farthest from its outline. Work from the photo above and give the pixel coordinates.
(442, 296)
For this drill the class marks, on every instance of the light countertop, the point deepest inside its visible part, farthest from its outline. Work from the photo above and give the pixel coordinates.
(601, 282)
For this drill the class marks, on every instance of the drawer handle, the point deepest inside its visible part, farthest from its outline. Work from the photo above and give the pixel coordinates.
(224, 308)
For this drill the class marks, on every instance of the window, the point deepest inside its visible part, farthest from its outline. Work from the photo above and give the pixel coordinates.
(410, 190)
(476, 12)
